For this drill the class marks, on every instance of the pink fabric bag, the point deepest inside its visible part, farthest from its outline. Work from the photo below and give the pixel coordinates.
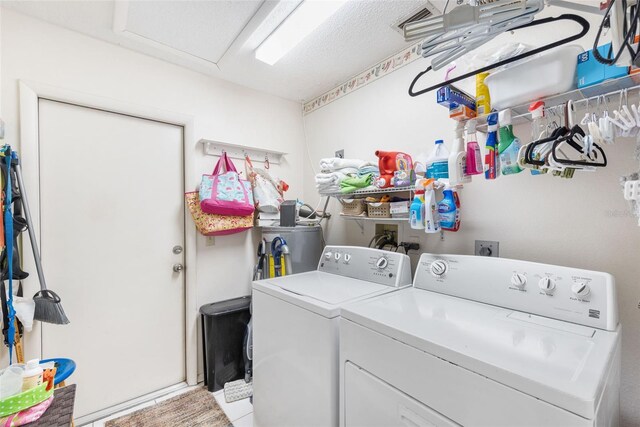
(26, 416)
(224, 193)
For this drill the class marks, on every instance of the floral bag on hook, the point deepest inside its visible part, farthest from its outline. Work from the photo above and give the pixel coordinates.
(267, 192)
(224, 192)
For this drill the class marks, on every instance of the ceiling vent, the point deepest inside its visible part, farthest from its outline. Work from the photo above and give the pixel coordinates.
(422, 12)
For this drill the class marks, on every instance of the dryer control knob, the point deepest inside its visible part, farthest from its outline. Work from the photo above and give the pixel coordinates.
(382, 263)
(338, 254)
(438, 268)
(519, 280)
(580, 289)
(347, 258)
(328, 255)
(547, 285)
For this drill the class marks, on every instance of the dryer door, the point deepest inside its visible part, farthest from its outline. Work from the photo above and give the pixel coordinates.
(371, 402)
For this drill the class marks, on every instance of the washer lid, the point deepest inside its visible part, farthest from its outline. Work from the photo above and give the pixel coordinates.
(329, 288)
(321, 292)
(561, 363)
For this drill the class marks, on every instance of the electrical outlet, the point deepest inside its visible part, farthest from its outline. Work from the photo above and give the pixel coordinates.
(340, 154)
(487, 248)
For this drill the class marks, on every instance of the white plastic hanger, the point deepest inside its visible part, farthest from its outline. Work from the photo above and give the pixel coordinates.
(469, 26)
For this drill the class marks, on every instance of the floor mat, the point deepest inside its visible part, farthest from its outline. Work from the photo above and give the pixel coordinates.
(195, 408)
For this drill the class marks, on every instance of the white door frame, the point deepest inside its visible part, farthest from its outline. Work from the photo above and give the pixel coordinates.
(30, 93)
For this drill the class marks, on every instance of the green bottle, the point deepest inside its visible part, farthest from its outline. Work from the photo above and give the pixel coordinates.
(508, 145)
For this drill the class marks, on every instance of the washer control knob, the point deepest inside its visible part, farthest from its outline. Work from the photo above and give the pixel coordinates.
(547, 285)
(519, 280)
(347, 258)
(438, 268)
(328, 255)
(580, 289)
(338, 255)
(382, 263)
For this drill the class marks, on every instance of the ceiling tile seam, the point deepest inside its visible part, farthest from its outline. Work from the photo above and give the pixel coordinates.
(371, 74)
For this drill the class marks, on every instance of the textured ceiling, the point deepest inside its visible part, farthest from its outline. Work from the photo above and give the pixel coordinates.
(227, 32)
(204, 29)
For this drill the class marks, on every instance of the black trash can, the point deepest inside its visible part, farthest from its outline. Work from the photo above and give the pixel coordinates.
(224, 325)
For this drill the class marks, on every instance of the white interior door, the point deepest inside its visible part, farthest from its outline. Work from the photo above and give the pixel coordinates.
(111, 212)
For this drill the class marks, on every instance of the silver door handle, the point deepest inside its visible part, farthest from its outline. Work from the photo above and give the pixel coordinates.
(178, 268)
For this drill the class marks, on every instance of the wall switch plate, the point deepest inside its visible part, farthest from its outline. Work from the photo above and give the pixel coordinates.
(487, 248)
(340, 154)
(211, 241)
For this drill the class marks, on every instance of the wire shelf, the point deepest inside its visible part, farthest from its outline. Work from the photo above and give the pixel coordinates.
(367, 192)
(580, 97)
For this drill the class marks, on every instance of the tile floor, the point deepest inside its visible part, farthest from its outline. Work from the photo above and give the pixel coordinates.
(240, 413)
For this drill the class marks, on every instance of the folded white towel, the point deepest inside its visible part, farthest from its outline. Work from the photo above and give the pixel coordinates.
(328, 188)
(336, 163)
(330, 178)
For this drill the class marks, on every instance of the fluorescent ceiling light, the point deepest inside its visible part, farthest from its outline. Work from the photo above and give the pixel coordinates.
(302, 22)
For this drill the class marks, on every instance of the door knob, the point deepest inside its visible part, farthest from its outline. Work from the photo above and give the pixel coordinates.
(178, 268)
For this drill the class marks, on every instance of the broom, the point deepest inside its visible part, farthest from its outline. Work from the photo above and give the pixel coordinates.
(48, 303)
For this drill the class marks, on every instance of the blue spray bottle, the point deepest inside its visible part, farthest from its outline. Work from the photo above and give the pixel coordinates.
(492, 160)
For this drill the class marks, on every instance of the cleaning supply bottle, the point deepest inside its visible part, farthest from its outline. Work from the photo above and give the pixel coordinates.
(32, 375)
(431, 217)
(508, 146)
(416, 211)
(492, 161)
(537, 126)
(474, 155)
(458, 159)
(483, 99)
(438, 162)
(449, 210)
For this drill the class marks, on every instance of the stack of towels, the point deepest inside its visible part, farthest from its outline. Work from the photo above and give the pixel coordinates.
(345, 175)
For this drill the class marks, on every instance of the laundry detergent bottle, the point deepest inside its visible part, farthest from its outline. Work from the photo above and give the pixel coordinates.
(416, 211)
(474, 155)
(492, 161)
(508, 146)
(449, 210)
(438, 162)
(458, 159)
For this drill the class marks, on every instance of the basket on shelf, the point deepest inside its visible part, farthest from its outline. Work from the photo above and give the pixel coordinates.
(399, 209)
(379, 210)
(353, 207)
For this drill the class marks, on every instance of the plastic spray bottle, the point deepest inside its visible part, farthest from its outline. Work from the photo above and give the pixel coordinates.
(509, 145)
(416, 211)
(474, 155)
(431, 217)
(449, 210)
(438, 162)
(458, 159)
(492, 161)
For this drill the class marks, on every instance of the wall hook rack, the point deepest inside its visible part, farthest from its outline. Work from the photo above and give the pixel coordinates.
(237, 151)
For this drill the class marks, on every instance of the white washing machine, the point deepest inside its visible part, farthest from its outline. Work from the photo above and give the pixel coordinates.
(296, 332)
(484, 342)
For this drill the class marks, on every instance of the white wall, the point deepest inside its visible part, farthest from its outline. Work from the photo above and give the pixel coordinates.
(34, 50)
(583, 222)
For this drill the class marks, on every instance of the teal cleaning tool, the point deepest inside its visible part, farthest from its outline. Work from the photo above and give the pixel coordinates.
(8, 232)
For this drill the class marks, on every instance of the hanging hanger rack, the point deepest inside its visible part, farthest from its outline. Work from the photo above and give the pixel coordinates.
(564, 17)
(237, 151)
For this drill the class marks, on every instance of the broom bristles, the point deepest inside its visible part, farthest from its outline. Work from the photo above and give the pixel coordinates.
(49, 309)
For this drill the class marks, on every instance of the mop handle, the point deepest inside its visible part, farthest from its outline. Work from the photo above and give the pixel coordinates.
(32, 237)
